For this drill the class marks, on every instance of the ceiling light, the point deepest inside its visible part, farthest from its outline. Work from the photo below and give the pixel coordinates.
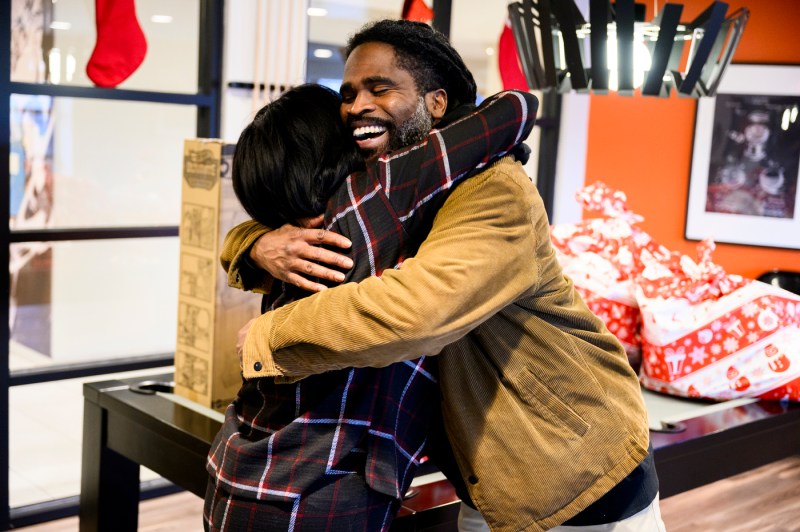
(54, 65)
(559, 49)
(323, 53)
(161, 19)
(56, 25)
(317, 12)
(490, 51)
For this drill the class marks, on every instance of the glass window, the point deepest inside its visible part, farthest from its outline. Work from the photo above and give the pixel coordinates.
(79, 301)
(78, 164)
(40, 415)
(52, 42)
(96, 163)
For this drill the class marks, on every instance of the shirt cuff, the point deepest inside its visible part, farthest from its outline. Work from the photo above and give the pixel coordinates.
(257, 358)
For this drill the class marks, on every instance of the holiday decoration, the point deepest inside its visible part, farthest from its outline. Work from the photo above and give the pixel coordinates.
(601, 256)
(709, 334)
(120, 46)
(508, 61)
(417, 10)
(691, 328)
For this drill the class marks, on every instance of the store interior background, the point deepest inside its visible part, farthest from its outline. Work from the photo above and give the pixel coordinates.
(643, 146)
(126, 157)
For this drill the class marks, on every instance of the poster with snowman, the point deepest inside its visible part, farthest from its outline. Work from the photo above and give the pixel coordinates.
(744, 179)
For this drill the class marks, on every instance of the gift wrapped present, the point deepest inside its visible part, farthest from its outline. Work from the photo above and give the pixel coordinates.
(709, 334)
(601, 256)
(608, 295)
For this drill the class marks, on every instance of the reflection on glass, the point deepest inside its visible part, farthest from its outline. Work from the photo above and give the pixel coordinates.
(75, 302)
(52, 42)
(95, 163)
(27, 40)
(45, 448)
(31, 161)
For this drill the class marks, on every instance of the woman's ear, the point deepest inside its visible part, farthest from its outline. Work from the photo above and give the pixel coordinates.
(436, 101)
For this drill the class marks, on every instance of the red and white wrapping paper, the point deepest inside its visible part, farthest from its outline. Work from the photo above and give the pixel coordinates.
(711, 335)
(601, 256)
(607, 295)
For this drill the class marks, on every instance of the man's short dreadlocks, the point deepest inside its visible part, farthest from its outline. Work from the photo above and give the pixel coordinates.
(426, 54)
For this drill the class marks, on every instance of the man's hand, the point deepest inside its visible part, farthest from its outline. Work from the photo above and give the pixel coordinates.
(240, 336)
(291, 254)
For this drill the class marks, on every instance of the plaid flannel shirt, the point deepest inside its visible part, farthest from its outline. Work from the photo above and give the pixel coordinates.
(279, 439)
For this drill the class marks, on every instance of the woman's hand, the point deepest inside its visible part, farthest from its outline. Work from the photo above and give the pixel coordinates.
(293, 254)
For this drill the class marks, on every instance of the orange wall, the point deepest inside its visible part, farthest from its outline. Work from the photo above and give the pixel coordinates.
(643, 146)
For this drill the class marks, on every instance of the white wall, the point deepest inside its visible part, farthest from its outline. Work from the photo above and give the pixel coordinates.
(571, 157)
(281, 27)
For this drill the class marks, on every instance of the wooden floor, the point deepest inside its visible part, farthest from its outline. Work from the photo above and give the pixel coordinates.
(765, 499)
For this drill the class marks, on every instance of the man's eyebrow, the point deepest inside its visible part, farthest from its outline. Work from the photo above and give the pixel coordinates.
(369, 81)
(375, 80)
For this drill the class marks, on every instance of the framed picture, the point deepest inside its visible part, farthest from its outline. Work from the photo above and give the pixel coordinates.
(745, 160)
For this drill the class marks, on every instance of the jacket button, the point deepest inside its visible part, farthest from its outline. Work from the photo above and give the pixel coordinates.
(257, 366)
(472, 479)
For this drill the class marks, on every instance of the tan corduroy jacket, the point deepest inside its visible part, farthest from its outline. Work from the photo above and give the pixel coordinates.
(541, 407)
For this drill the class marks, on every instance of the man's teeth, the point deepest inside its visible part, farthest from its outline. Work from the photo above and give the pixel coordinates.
(368, 131)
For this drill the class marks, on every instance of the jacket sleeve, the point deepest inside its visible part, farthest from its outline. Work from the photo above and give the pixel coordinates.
(235, 258)
(477, 259)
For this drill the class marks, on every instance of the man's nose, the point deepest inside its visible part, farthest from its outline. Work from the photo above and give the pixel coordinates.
(363, 103)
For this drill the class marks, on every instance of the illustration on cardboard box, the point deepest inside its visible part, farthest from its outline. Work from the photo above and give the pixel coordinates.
(210, 313)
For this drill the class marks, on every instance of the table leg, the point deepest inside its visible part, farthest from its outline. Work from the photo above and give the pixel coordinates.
(109, 499)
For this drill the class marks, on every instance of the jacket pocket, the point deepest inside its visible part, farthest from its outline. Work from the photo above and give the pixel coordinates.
(536, 394)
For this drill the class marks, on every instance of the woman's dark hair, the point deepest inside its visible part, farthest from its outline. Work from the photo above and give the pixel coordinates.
(292, 156)
(426, 54)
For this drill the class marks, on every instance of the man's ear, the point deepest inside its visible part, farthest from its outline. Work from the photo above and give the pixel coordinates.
(436, 101)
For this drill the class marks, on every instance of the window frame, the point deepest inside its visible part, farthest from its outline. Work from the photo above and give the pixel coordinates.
(208, 103)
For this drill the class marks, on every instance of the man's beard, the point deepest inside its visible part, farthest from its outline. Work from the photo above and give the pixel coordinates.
(414, 129)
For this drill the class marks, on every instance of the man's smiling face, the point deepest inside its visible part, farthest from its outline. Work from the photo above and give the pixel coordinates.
(381, 103)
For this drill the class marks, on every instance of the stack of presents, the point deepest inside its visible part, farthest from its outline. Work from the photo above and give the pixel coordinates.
(689, 328)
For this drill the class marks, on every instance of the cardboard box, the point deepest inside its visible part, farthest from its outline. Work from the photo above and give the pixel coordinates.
(210, 313)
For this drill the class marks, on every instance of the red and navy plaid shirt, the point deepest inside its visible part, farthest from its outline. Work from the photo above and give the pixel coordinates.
(279, 439)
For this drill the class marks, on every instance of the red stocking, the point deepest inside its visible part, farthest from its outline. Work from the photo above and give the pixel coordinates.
(120, 46)
(508, 61)
(417, 10)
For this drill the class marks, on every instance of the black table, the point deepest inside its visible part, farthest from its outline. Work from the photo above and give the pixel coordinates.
(124, 429)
